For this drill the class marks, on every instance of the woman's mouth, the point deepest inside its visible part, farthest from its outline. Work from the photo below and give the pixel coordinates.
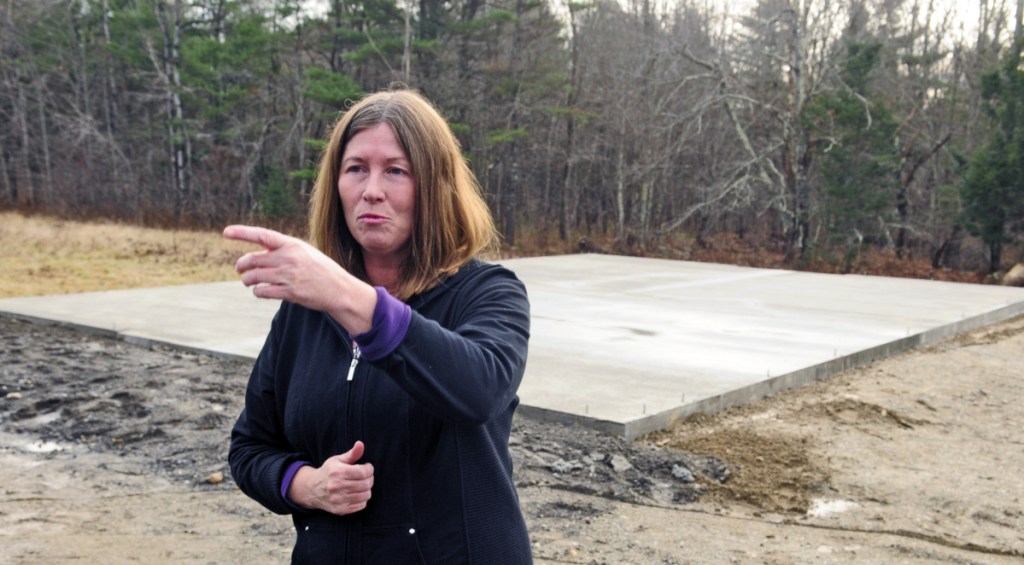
(372, 218)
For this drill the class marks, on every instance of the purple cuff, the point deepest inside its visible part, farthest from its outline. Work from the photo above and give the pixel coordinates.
(289, 475)
(391, 319)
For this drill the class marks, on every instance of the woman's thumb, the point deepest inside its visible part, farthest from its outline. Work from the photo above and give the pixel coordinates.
(355, 454)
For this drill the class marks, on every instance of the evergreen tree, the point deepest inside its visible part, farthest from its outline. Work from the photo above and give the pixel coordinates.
(858, 163)
(993, 189)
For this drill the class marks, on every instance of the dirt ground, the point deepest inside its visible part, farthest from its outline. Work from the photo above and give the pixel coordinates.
(114, 453)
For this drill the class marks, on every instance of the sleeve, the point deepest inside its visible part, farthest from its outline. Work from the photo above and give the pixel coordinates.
(259, 455)
(470, 371)
(391, 319)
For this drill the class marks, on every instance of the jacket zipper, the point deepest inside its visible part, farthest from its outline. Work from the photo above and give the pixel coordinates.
(348, 425)
(355, 361)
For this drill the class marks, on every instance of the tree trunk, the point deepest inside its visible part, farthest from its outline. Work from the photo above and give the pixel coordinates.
(26, 184)
(511, 197)
(45, 139)
(110, 101)
(10, 195)
(995, 256)
(565, 217)
(948, 245)
(620, 188)
(646, 206)
(407, 46)
(1018, 29)
(798, 152)
(178, 137)
(902, 202)
(82, 80)
(337, 48)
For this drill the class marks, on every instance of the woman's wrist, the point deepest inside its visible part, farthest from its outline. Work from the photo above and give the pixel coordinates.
(294, 487)
(354, 306)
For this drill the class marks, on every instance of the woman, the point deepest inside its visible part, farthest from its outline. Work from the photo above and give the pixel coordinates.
(378, 412)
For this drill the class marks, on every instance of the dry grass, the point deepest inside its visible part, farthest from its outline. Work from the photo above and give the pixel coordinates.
(49, 256)
(46, 256)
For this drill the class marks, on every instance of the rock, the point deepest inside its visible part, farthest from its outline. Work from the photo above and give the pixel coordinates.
(620, 464)
(531, 459)
(1015, 277)
(559, 466)
(13, 395)
(214, 478)
(562, 466)
(682, 473)
(587, 246)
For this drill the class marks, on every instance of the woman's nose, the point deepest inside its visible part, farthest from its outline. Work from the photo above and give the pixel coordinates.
(374, 188)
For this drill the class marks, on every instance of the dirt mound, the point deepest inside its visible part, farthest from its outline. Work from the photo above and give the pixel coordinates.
(772, 472)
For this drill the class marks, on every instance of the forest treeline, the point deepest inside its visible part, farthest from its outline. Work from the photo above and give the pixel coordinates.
(813, 127)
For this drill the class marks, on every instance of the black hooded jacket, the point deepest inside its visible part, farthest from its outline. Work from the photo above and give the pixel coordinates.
(434, 414)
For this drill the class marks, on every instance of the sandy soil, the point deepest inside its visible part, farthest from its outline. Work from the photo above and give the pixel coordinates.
(112, 453)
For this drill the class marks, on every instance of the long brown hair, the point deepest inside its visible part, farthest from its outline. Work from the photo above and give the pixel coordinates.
(452, 222)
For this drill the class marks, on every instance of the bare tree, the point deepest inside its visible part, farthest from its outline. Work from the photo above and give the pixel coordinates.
(167, 64)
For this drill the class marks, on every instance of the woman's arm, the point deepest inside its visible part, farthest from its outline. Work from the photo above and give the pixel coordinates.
(258, 454)
(469, 372)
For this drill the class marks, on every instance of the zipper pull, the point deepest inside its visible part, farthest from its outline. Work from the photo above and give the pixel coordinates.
(355, 361)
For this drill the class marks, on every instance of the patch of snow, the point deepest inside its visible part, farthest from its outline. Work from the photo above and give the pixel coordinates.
(820, 508)
(42, 447)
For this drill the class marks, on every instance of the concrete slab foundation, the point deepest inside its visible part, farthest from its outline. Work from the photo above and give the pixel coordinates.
(622, 344)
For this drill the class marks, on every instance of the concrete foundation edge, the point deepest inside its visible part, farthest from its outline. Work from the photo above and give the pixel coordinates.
(745, 395)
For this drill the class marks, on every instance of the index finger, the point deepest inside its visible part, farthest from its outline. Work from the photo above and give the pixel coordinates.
(267, 238)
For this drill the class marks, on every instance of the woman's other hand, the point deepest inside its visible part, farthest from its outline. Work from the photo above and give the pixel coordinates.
(339, 486)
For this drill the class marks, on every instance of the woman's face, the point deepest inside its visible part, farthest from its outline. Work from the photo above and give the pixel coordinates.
(378, 195)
